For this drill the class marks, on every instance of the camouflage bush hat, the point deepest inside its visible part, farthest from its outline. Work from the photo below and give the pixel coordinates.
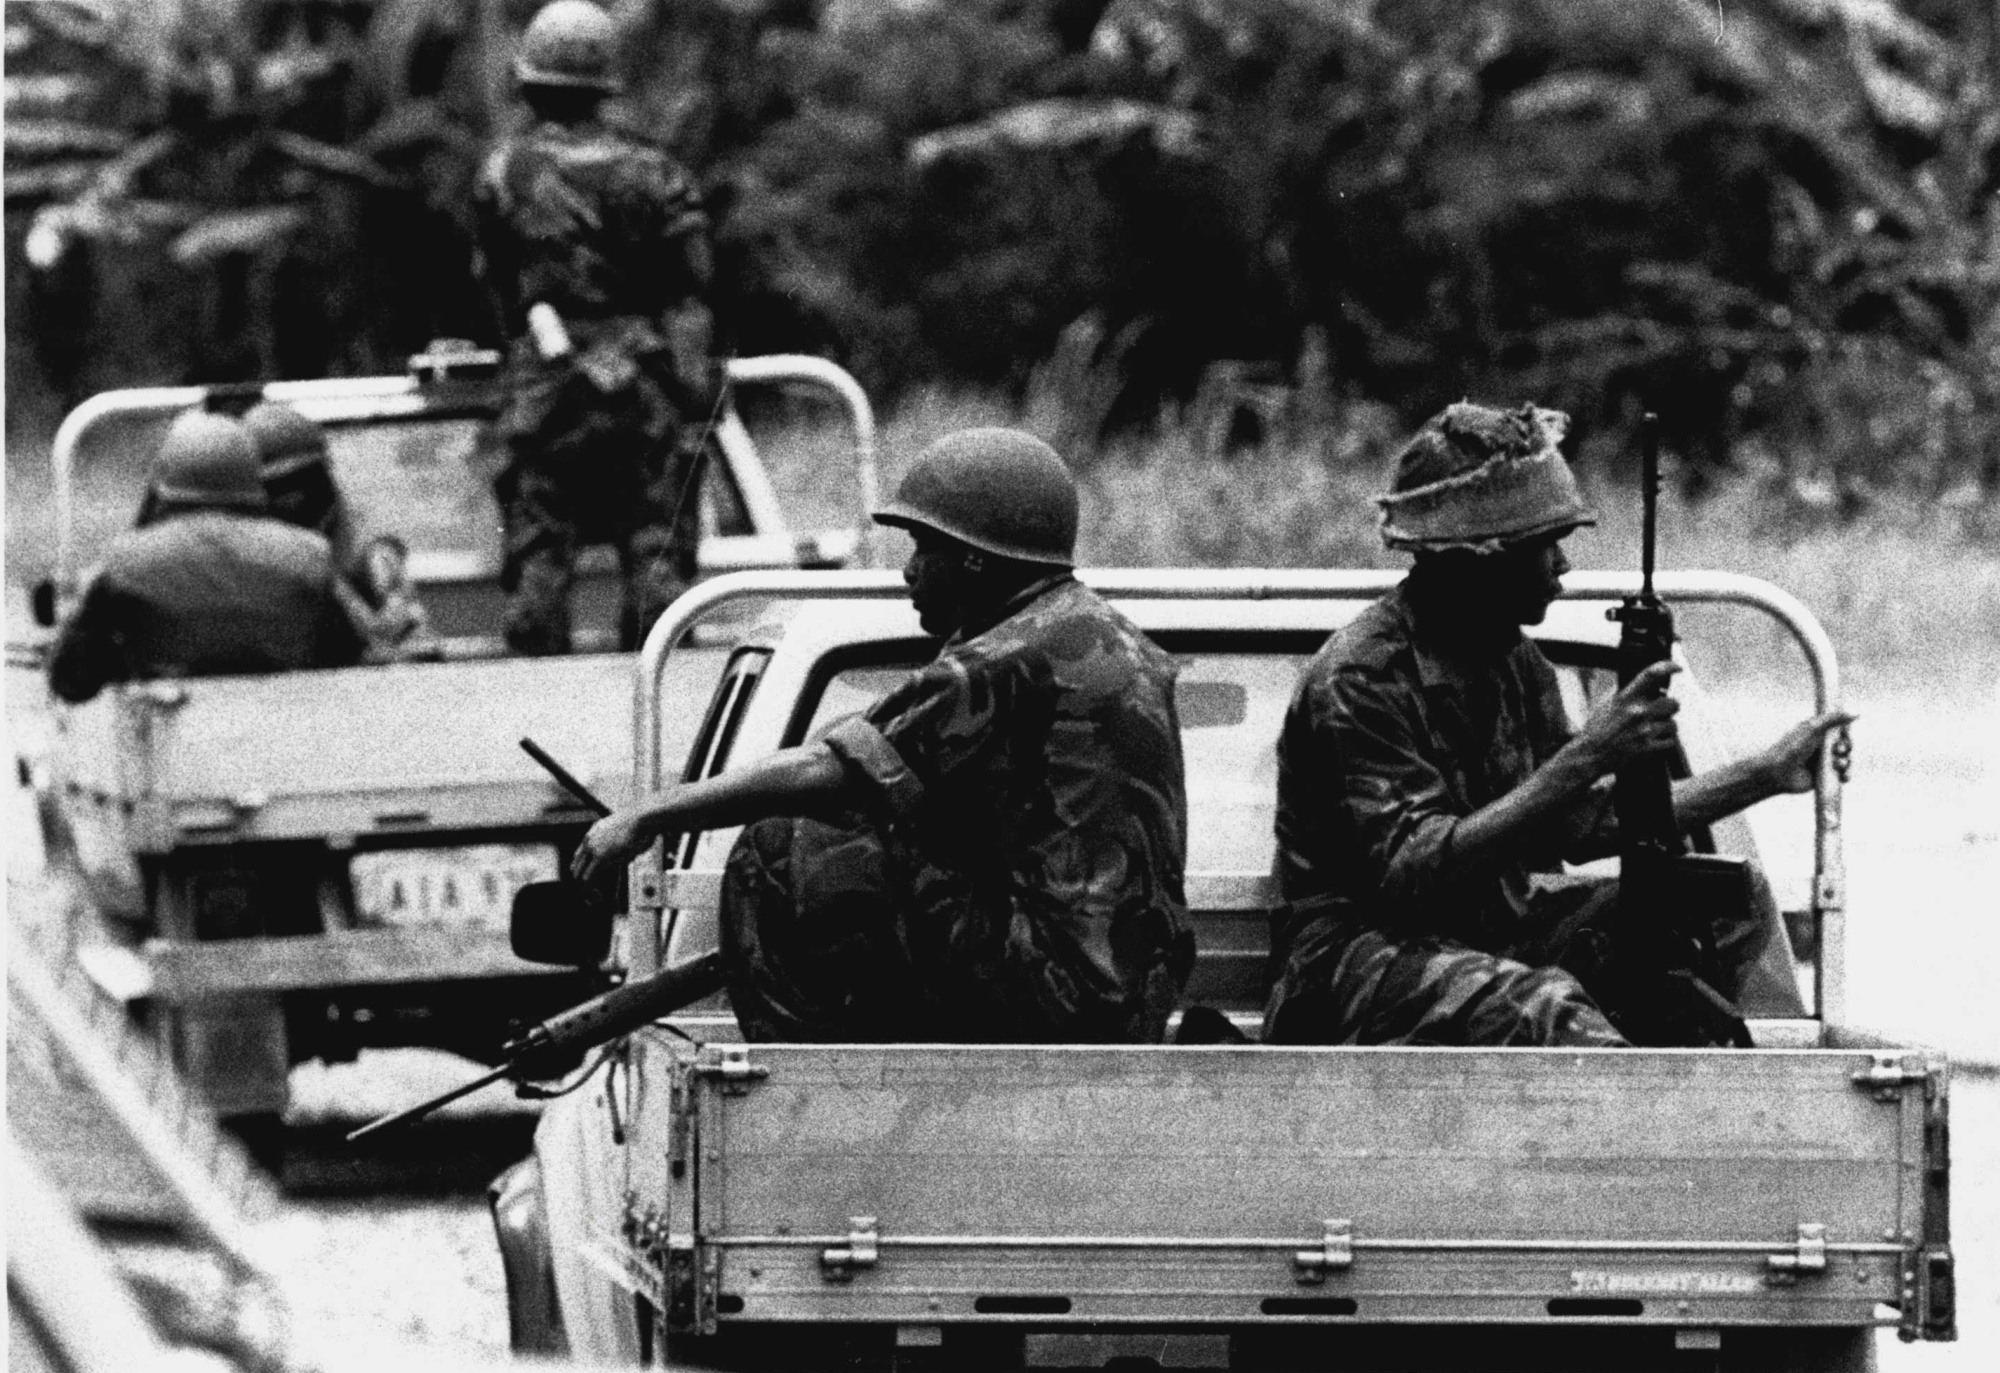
(1479, 478)
(287, 441)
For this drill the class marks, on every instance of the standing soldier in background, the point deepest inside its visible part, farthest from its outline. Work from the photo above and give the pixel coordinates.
(596, 252)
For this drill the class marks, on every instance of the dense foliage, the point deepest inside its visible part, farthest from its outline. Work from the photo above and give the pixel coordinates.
(1773, 220)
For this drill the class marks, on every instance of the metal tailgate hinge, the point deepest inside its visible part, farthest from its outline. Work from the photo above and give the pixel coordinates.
(863, 1250)
(1335, 1253)
(1804, 1259)
(731, 1066)
(1889, 1075)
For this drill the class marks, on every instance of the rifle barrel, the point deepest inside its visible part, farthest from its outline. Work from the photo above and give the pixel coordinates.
(424, 1108)
(565, 777)
(1649, 479)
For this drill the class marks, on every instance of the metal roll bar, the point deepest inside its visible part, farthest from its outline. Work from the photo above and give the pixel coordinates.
(1259, 584)
(320, 399)
(796, 367)
(337, 398)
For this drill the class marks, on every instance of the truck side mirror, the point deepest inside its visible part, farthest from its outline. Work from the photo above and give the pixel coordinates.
(42, 602)
(559, 923)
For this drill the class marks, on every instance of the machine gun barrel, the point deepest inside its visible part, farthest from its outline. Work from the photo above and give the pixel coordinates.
(424, 1108)
(597, 1021)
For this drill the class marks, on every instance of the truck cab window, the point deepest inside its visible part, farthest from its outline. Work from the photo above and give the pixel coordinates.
(718, 730)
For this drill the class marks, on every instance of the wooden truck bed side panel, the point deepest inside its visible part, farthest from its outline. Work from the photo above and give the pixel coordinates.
(1476, 1184)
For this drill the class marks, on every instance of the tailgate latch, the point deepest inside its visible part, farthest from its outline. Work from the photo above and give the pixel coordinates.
(841, 1262)
(1335, 1253)
(1805, 1258)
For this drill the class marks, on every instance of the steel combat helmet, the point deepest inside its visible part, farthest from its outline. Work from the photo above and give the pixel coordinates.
(568, 43)
(1479, 478)
(208, 460)
(286, 440)
(998, 490)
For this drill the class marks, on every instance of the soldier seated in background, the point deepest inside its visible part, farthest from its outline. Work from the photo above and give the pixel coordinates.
(209, 584)
(595, 249)
(1430, 786)
(995, 850)
(298, 481)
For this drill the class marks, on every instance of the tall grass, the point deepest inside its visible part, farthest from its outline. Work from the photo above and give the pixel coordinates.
(1909, 592)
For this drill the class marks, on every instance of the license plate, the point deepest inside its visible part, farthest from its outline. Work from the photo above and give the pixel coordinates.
(472, 886)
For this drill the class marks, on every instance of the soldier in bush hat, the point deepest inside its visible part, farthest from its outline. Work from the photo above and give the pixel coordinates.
(209, 584)
(994, 850)
(595, 249)
(1430, 786)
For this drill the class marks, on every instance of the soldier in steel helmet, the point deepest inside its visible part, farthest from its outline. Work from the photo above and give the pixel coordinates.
(209, 583)
(993, 851)
(1430, 786)
(596, 251)
(298, 479)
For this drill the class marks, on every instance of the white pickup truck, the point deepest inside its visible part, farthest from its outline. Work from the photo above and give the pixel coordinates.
(700, 1201)
(304, 865)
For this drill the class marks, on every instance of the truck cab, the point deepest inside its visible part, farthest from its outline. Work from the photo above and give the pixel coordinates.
(286, 867)
(715, 1203)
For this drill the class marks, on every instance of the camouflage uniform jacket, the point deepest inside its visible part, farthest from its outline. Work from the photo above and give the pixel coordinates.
(1035, 770)
(200, 593)
(1392, 739)
(591, 221)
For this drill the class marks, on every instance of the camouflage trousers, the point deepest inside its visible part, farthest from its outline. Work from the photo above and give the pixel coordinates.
(591, 461)
(840, 933)
(1345, 984)
(546, 519)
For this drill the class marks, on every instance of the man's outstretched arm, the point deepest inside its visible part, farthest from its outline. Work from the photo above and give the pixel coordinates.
(1789, 764)
(809, 780)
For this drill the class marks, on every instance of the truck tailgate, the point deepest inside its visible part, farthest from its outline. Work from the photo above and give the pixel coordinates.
(1251, 1186)
(307, 754)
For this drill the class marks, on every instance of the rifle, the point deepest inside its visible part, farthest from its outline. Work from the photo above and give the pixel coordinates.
(565, 778)
(1658, 976)
(597, 1021)
(1643, 794)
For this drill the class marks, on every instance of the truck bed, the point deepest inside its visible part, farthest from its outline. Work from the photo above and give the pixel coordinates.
(418, 746)
(1182, 1187)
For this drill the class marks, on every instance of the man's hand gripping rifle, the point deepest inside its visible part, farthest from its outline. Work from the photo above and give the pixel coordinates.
(599, 1020)
(1659, 979)
(1643, 794)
